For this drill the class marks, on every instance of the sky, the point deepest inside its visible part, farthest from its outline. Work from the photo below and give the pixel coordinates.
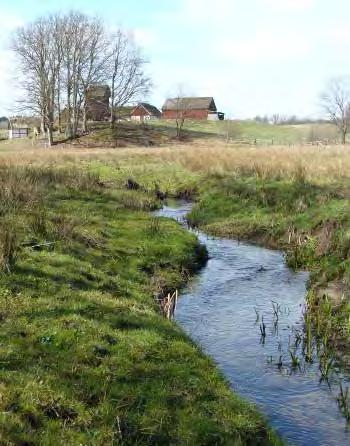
(255, 57)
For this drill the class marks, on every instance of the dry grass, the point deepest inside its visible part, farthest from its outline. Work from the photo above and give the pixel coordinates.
(314, 164)
(317, 164)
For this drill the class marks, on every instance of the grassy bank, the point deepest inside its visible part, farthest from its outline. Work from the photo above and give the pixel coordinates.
(86, 357)
(303, 211)
(293, 198)
(311, 223)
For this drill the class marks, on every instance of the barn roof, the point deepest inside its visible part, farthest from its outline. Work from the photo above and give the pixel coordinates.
(152, 110)
(189, 103)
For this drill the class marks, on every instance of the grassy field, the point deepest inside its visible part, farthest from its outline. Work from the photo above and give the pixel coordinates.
(295, 198)
(251, 132)
(163, 133)
(86, 356)
(81, 259)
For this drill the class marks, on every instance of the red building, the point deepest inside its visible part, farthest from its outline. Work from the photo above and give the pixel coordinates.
(145, 112)
(191, 108)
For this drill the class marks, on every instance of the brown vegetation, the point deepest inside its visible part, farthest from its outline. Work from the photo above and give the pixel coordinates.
(316, 164)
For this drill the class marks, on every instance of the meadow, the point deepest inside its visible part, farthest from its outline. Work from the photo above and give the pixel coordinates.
(87, 356)
(246, 132)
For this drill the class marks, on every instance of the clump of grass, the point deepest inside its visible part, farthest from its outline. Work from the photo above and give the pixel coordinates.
(295, 359)
(308, 338)
(136, 200)
(38, 222)
(64, 226)
(300, 174)
(9, 245)
(326, 366)
(276, 309)
(343, 401)
(153, 227)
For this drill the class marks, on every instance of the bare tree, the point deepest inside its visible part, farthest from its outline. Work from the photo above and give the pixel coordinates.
(94, 62)
(177, 105)
(232, 130)
(62, 56)
(33, 46)
(85, 55)
(73, 31)
(127, 79)
(180, 115)
(336, 103)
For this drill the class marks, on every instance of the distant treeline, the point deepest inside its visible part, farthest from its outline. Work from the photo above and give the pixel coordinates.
(277, 119)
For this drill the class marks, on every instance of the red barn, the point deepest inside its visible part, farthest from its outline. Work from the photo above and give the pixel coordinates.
(145, 112)
(191, 108)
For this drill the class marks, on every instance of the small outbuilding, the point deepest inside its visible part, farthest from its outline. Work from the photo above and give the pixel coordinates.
(191, 108)
(18, 132)
(145, 112)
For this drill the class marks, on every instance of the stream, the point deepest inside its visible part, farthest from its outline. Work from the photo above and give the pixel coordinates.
(245, 309)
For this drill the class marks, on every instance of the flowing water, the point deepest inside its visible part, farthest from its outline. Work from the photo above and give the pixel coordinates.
(225, 308)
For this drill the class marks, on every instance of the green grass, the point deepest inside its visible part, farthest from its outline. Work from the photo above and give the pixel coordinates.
(297, 210)
(308, 219)
(304, 212)
(247, 131)
(86, 357)
(163, 132)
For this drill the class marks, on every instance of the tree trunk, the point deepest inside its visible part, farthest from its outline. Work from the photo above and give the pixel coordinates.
(42, 125)
(75, 125)
(112, 116)
(343, 137)
(59, 107)
(49, 135)
(179, 125)
(69, 108)
(73, 121)
(85, 118)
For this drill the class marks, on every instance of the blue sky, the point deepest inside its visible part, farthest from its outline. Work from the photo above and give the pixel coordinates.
(253, 56)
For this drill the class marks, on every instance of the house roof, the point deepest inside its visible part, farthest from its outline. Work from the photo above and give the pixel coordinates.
(152, 110)
(189, 103)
